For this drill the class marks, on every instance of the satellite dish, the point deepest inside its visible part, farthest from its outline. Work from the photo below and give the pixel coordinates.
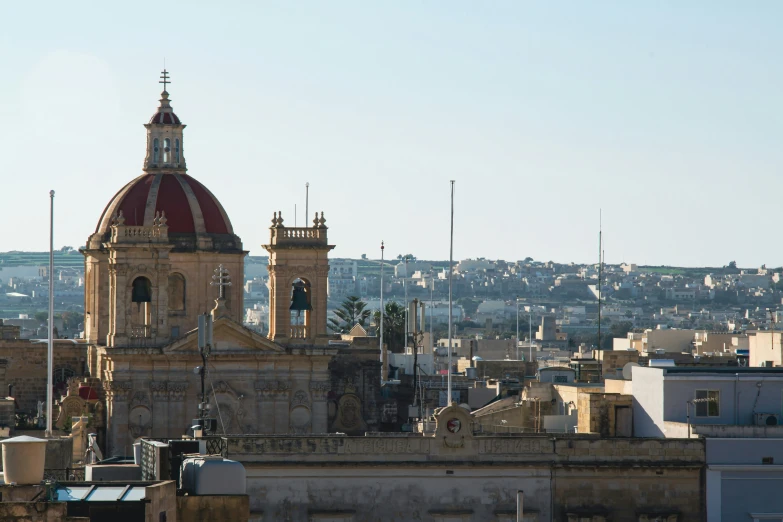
(464, 406)
(627, 370)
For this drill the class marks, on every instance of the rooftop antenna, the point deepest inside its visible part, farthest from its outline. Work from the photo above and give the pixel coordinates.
(600, 270)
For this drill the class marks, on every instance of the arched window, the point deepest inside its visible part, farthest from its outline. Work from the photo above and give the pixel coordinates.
(141, 294)
(155, 151)
(176, 150)
(166, 149)
(142, 290)
(176, 292)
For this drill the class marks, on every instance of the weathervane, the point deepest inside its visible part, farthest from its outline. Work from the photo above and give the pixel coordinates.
(164, 78)
(221, 280)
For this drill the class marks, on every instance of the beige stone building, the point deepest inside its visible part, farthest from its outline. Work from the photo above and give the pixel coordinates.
(456, 474)
(163, 253)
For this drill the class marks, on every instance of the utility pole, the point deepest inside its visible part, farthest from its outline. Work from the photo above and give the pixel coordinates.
(405, 289)
(383, 354)
(517, 328)
(600, 272)
(50, 340)
(451, 277)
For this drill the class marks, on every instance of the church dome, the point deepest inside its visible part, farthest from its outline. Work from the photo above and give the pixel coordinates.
(194, 217)
(165, 118)
(188, 205)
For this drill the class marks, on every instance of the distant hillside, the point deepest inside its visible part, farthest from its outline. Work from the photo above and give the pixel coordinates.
(62, 259)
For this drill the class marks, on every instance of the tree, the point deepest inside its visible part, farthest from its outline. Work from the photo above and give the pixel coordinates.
(41, 316)
(393, 326)
(469, 306)
(351, 312)
(71, 320)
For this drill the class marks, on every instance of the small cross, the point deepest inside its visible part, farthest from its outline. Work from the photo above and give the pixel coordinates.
(221, 280)
(165, 79)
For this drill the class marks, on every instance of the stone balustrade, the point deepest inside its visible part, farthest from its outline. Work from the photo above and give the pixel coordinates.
(298, 331)
(298, 236)
(131, 234)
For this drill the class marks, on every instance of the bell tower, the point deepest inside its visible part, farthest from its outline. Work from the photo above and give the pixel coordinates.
(298, 275)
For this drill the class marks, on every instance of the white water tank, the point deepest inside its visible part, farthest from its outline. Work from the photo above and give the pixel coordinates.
(23, 460)
(212, 475)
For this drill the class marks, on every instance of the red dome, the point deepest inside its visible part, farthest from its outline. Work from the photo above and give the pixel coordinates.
(168, 118)
(189, 206)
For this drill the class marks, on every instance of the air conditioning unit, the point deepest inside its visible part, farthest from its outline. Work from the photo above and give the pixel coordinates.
(767, 419)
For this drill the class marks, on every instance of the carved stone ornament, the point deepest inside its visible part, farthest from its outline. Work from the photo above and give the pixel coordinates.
(118, 390)
(159, 390)
(177, 390)
(320, 389)
(140, 398)
(322, 271)
(300, 398)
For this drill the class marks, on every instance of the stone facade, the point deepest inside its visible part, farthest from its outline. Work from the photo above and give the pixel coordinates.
(455, 473)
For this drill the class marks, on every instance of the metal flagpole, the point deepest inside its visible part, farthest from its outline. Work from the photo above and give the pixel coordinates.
(405, 288)
(451, 271)
(517, 328)
(383, 377)
(50, 350)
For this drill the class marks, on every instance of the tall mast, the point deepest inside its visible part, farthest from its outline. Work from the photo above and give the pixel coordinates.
(600, 272)
(451, 272)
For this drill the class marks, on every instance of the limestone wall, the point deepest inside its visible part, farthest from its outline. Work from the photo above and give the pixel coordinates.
(26, 368)
(400, 478)
(213, 508)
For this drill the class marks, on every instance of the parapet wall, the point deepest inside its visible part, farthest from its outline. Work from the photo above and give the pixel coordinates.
(569, 450)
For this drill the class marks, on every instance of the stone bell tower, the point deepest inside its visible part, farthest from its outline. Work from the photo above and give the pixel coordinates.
(298, 276)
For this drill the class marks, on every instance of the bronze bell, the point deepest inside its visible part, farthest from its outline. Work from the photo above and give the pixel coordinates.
(299, 300)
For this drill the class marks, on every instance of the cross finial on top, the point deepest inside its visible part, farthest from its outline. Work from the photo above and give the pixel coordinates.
(221, 279)
(164, 78)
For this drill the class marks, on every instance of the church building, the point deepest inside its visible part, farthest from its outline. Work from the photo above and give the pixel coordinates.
(164, 252)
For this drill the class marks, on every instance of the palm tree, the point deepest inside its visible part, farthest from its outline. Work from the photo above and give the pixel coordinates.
(393, 326)
(350, 313)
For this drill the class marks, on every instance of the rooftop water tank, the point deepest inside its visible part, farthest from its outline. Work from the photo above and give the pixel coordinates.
(23, 460)
(471, 373)
(212, 475)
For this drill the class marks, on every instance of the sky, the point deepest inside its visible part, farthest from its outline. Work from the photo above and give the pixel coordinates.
(666, 115)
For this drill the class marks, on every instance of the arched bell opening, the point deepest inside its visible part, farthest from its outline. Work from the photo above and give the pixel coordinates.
(141, 307)
(301, 308)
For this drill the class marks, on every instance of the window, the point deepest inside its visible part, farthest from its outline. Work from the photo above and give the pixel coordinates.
(176, 151)
(561, 378)
(166, 149)
(707, 403)
(155, 151)
(176, 292)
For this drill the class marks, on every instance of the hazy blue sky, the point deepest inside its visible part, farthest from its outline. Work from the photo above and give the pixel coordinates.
(669, 115)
